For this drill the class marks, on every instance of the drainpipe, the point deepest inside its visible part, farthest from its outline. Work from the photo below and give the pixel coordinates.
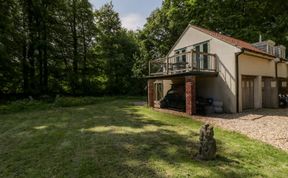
(237, 78)
(277, 61)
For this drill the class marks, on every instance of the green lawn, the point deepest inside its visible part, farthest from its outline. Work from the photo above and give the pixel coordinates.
(112, 138)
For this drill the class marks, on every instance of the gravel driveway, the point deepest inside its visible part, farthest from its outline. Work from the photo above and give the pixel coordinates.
(267, 125)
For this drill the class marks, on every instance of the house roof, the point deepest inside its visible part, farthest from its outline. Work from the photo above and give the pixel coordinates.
(232, 41)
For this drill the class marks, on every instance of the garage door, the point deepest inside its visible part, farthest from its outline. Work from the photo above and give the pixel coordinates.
(269, 93)
(247, 93)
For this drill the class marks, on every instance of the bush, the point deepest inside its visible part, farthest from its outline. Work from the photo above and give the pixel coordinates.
(23, 105)
(49, 102)
(75, 101)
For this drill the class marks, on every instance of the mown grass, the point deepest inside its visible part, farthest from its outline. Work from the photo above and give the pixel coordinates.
(109, 137)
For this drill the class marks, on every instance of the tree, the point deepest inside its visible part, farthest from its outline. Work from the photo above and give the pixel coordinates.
(62, 46)
(115, 47)
(43, 47)
(241, 19)
(10, 49)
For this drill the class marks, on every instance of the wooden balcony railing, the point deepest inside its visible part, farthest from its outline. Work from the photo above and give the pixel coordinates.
(183, 63)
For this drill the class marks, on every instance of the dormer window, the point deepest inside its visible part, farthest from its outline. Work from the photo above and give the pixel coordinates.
(283, 53)
(270, 49)
(280, 51)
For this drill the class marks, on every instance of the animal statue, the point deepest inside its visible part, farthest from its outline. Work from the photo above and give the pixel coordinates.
(207, 150)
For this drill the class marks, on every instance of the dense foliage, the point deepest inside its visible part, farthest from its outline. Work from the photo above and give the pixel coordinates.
(243, 19)
(64, 46)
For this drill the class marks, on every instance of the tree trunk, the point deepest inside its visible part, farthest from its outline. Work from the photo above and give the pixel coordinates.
(45, 59)
(40, 53)
(24, 60)
(75, 49)
(31, 68)
(84, 52)
(25, 68)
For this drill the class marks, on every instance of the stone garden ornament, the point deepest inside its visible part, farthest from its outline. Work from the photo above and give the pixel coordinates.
(207, 150)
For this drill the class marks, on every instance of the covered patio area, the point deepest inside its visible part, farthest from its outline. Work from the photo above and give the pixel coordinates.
(185, 93)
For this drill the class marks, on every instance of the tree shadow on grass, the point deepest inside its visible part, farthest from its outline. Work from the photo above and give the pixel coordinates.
(160, 153)
(111, 140)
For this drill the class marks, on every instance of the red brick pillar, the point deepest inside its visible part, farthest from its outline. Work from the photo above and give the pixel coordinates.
(190, 90)
(150, 89)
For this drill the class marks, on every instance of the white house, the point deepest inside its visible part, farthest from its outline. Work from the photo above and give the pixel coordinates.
(204, 64)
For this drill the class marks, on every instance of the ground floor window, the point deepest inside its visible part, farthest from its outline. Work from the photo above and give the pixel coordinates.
(158, 88)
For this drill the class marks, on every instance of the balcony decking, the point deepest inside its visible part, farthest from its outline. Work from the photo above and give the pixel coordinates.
(192, 62)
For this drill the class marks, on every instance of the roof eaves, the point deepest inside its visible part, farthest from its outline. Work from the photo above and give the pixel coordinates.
(231, 41)
(262, 53)
(217, 36)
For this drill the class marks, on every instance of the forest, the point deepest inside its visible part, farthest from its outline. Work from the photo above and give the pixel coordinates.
(67, 47)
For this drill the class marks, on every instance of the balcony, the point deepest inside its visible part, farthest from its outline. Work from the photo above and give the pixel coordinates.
(191, 62)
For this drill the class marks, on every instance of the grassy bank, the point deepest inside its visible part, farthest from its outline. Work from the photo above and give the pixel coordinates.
(109, 137)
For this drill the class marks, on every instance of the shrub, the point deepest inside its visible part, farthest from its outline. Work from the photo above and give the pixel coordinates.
(75, 101)
(23, 105)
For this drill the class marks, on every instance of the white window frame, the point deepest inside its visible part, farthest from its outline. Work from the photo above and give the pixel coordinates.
(181, 58)
(201, 46)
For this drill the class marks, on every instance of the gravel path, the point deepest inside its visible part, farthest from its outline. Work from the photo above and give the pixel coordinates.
(267, 125)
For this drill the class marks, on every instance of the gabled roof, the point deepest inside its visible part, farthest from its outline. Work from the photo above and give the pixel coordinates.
(232, 41)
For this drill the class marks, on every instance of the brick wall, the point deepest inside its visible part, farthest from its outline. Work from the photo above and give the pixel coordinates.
(190, 90)
(150, 89)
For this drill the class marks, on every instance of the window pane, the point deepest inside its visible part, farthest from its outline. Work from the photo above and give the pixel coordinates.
(184, 58)
(273, 84)
(197, 57)
(205, 47)
(177, 57)
(205, 57)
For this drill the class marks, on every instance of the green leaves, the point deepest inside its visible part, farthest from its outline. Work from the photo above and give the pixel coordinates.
(43, 49)
(241, 19)
(116, 47)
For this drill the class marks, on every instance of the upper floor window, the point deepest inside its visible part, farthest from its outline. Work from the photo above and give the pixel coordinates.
(280, 52)
(181, 55)
(202, 58)
(284, 53)
(202, 47)
(270, 49)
